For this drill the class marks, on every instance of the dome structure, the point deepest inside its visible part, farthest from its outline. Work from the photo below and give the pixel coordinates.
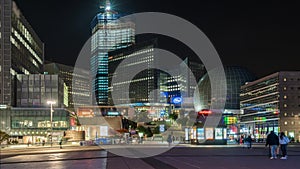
(236, 76)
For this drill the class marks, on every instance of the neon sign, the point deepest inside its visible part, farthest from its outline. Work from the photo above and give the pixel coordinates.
(176, 100)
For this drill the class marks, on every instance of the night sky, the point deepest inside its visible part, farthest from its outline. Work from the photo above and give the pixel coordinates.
(262, 36)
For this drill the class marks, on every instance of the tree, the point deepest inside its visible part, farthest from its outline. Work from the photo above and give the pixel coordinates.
(3, 136)
(173, 116)
(146, 131)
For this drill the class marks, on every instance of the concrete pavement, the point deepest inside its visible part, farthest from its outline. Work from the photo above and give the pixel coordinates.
(182, 156)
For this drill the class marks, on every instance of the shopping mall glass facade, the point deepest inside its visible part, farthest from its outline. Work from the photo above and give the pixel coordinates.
(33, 124)
(236, 76)
(272, 104)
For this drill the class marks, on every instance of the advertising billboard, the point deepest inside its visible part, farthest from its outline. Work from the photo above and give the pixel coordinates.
(200, 133)
(218, 133)
(209, 133)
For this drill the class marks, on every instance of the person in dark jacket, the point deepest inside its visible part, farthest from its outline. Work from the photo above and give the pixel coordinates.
(248, 140)
(273, 142)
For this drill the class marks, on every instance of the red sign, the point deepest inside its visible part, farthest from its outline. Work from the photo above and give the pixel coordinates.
(72, 121)
(204, 112)
(85, 113)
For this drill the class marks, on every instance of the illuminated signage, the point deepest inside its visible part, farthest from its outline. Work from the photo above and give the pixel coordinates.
(200, 133)
(204, 112)
(230, 120)
(103, 130)
(218, 133)
(85, 113)
(113, 113)
(260, 118)
(209, 133)
(66, 100)
(176, 100)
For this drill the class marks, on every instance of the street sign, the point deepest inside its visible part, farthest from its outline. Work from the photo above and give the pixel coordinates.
(162, 128)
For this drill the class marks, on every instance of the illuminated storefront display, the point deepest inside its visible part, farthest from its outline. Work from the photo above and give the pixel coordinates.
(193, 133)
(200, 133)
(218, 133)
(33, 124)
(230, 120)
(209, 133)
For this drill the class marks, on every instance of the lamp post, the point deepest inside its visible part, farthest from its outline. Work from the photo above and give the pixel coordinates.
(51, 114)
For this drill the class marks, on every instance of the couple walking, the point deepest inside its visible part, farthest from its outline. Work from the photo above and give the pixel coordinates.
(277, 143)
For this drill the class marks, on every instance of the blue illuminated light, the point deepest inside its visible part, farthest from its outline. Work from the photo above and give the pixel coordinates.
(176, 100)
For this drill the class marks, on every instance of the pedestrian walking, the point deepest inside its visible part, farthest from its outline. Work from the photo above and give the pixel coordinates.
(283, 141)
(60, 144)
(169, 139)
(248, 142)
(242, 140)
(272, 142)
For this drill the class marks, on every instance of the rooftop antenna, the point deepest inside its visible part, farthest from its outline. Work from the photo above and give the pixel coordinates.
(107, 6)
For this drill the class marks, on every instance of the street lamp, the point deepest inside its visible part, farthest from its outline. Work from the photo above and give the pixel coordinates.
(51, 102)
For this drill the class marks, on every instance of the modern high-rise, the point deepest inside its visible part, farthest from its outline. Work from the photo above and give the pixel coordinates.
(188, 74)
(78, 83)
(145, 85)
(108, 33)
(21, 50)
(272, 103)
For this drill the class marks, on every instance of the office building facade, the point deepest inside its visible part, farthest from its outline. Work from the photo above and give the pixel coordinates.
(184, 83)
(35, 90)
(272, 104)
(108, 33)
(146, 86)
(21, 50)
(77, 80)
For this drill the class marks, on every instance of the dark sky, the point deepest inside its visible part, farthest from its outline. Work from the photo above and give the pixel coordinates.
(263, 36)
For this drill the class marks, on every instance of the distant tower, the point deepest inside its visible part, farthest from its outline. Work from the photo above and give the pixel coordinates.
(108, 33)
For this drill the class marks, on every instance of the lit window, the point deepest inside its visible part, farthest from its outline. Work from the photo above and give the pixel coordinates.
(284, 79)
(292, 122)
(285, 123)
(285, 105)
(285, 114)
(284, 88)
(284, 97)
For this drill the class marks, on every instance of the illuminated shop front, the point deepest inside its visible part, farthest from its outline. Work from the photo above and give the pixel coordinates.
(271, 103)
(201, 134)
(33, 124)
(208, 135)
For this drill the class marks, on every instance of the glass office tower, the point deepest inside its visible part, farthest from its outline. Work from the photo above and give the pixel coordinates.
(108, 33)
(21, 50)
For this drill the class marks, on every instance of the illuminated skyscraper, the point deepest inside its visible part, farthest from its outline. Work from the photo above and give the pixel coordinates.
(108, 33)
(77, 81)
(21, 50)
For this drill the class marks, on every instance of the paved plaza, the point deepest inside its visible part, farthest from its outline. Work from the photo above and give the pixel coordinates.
(182, 156)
